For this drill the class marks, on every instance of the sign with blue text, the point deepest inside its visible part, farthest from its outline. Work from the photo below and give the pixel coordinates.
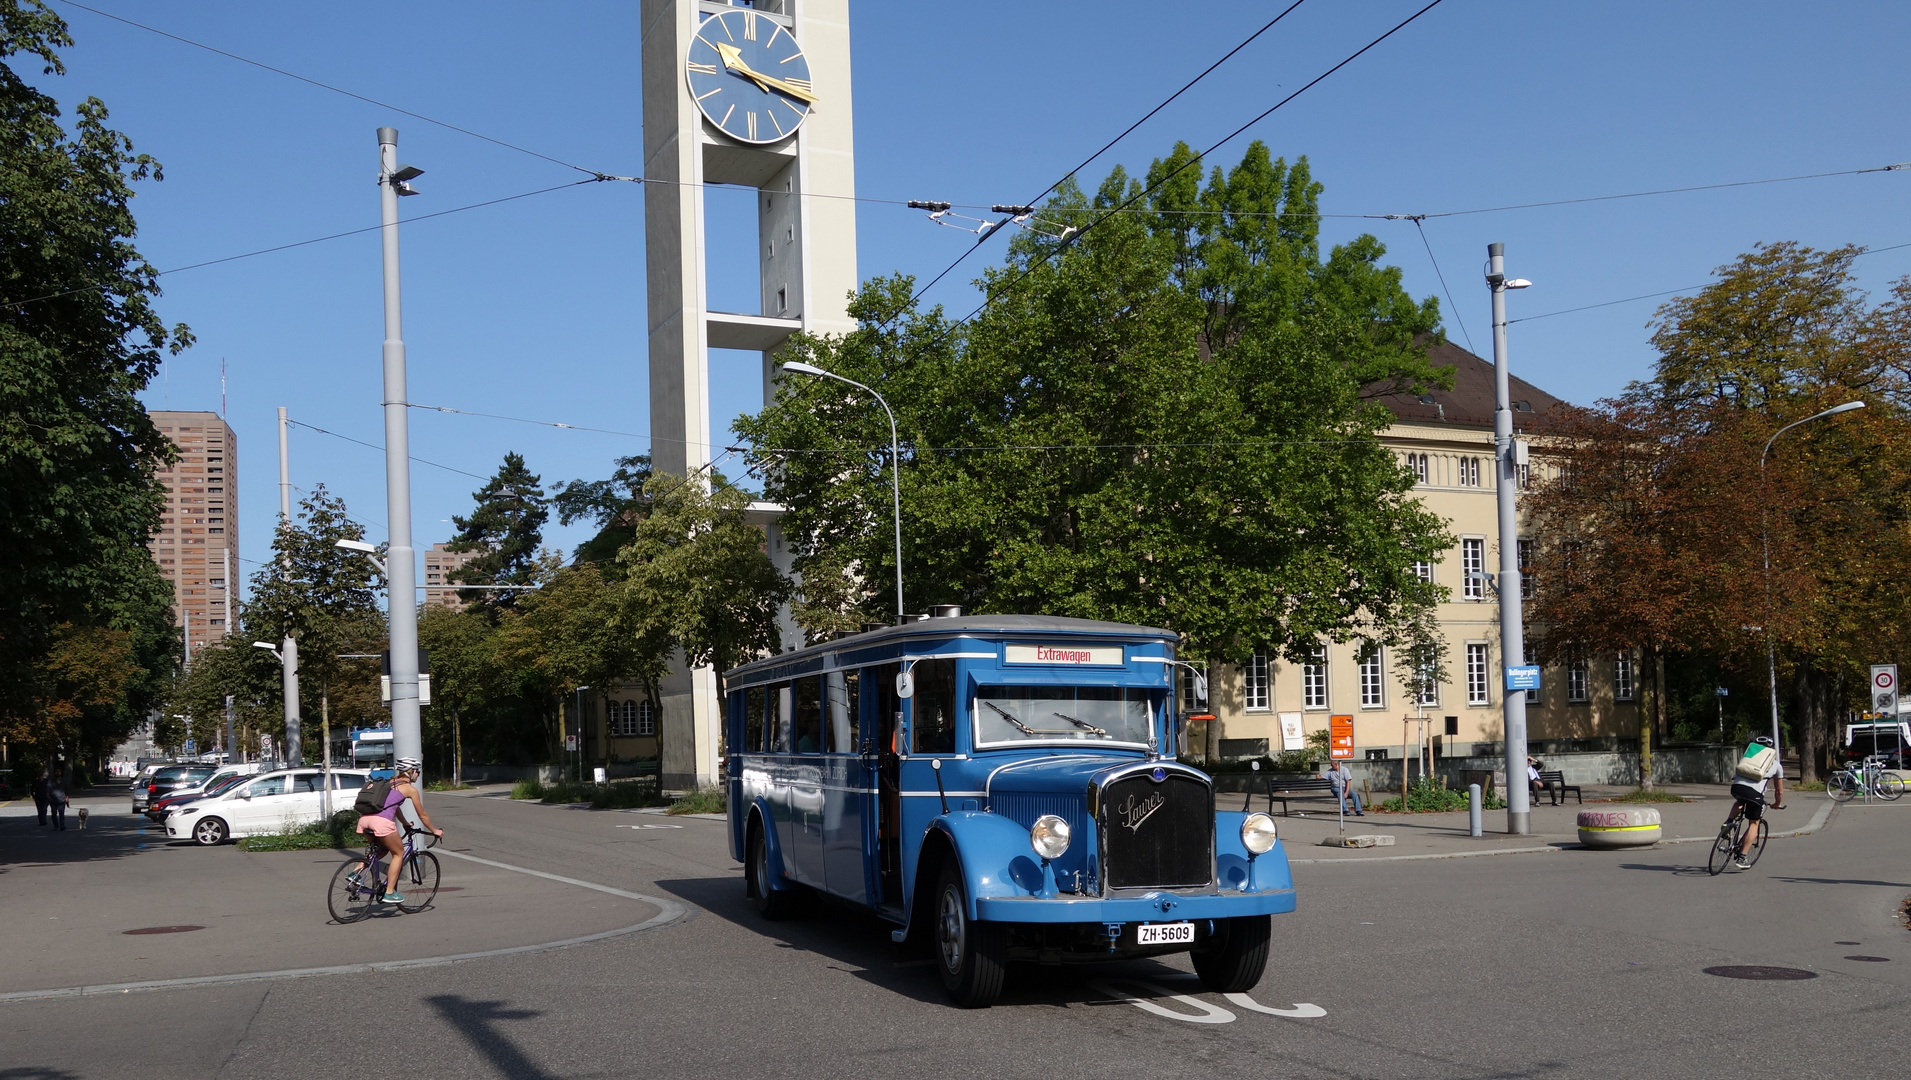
(1525, 677)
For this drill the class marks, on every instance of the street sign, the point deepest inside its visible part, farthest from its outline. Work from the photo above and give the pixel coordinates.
(192, 746)
(1522, 677)
(1884, 688)
(1293, 735)
(1722, 691)
(1340, 736)
(570, 744)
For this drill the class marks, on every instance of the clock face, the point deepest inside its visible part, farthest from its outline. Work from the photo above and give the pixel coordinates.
(749, 77)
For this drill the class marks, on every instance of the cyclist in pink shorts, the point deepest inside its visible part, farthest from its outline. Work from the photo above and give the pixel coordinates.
(383, 828)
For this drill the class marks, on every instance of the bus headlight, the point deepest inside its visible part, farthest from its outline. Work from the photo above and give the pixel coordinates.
(1258, 834)
(1049, 836)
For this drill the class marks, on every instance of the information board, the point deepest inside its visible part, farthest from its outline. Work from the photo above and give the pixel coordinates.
(1340, 737)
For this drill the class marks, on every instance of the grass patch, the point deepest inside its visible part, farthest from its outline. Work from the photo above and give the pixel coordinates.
(704, 800)
(1641, 795)
(1805, 785)
(1427, 797)
(339, 832)
(446, 785)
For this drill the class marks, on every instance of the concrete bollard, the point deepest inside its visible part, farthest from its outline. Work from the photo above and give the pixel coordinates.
(1636, 827)
(1473, 824)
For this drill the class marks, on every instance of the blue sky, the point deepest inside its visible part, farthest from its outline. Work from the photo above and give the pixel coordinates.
(533, 308)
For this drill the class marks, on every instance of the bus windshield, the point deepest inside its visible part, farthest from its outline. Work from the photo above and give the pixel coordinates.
(1009, 714)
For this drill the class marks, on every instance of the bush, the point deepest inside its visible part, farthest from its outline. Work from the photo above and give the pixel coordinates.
(1426, 797)
(628, 794)
(527, 789)
(1644, 796)
(336, 832)
(705, 800)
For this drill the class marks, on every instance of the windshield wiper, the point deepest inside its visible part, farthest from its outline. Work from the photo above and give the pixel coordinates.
(1083, 724)
(999, 711)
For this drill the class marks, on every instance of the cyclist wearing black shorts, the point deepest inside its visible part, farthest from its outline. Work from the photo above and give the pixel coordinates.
(1750, 795)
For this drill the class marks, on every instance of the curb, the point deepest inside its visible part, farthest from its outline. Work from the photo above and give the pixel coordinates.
(1815, 824)
(668, 911)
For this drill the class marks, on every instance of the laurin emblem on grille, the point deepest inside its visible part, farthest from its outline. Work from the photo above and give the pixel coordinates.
(1135, 811)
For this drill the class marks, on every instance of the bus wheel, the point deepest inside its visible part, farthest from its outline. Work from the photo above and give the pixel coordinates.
(968, 953)
(770, 903)
(1236, 954)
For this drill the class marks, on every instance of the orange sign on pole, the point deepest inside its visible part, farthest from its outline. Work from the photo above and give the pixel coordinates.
(1340, 737)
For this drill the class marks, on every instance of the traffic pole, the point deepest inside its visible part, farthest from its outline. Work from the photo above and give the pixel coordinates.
(1512, 628)
(400, 573)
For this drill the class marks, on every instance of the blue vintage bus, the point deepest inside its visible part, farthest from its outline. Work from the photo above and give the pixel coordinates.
(1004, 787)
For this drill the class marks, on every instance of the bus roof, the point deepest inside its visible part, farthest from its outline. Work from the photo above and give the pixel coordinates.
(972, 626)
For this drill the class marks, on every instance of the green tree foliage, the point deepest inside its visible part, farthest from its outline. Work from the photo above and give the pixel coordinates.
(1651, 528)
(506, 529)
(78, 340)
(1164, 424)
(614, 506)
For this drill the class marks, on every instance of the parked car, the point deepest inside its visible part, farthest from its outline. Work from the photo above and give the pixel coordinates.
(221, 782)
(273, 802)
(166, 780)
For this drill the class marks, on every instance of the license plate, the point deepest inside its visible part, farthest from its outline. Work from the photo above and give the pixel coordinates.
(1173, 933)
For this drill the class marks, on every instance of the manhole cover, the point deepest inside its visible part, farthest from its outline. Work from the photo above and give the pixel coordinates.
(1871, 959)
(163, 930)
(1772, 974)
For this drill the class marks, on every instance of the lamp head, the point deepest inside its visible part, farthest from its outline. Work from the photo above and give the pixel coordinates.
(803, 369)
(266, 645)
(407, 172)
(1519, 283)
(359, 546)
(1846, 407)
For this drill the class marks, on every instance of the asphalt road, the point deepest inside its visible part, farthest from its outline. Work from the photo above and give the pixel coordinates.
(1568, 964)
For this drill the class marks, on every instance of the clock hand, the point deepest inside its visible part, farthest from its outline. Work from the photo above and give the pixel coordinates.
(733, 59)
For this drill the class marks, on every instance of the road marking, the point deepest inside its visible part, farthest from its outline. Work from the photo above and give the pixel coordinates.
(1207, 1014)
(647, 826)
(1301, 1009)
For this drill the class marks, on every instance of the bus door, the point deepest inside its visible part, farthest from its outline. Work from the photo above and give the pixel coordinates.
(846, 784)
(882, 753)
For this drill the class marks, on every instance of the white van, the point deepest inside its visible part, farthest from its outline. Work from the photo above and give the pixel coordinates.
(274, 802)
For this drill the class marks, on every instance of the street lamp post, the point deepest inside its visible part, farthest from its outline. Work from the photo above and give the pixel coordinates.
(1765, 544)
(1506, 454)
(394, 180)
(580, 733)
(895, 461)
(288, 653)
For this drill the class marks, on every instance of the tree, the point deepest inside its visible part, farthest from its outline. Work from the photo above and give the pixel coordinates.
(79, 339)
(506, 529)
(1165, 423)
(697, 578)
(614, 506)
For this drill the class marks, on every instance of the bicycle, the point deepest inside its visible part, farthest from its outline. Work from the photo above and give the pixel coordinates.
(359, 886)
(1868, 777)
(1731, 835)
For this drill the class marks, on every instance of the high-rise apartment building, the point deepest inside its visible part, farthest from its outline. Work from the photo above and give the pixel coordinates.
(197, 543)
(439, 563)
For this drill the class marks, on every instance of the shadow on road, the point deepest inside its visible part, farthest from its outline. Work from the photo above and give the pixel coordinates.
(24, 843)
(1682, 871)
(1839, 881)
(478, 1022)
(34, 1072)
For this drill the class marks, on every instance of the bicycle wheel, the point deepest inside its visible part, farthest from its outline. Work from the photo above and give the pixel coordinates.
(353, 893)
(1890, 786)
(1758, 845)
(418, 881)
(1722, 849)
(1842, 786)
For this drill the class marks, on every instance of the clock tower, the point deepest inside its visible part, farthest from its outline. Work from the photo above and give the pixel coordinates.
(755, 95)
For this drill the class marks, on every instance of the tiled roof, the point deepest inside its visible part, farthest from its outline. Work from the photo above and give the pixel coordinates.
(1470, 403)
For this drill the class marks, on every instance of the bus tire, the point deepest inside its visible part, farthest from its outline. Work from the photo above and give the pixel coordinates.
(772, 904)
(969, 954)
(1236, 954)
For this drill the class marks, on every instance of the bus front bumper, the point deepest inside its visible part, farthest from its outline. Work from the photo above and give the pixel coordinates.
(1164, 906)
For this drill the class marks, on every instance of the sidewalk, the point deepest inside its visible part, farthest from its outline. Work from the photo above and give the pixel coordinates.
(1554, 828)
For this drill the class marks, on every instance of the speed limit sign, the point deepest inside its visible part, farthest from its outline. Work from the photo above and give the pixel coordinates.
(1884, 688)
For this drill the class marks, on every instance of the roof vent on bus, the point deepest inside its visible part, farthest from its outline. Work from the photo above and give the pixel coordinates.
(946, 611)
(870, 627)
(905, 620)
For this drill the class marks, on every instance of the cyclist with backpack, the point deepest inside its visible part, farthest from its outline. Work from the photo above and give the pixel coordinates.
(1758, 766)
(378, 805)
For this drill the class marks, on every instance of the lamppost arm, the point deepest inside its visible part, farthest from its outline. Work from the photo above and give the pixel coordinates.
(895, 459)
(1833, 411)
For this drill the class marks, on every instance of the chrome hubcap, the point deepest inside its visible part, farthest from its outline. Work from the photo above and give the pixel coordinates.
(949, 930)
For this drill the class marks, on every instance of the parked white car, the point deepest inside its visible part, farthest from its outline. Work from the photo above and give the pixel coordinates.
(274, 802)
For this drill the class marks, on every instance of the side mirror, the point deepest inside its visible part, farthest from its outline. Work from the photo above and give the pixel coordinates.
(1200, 687)
(905, 684)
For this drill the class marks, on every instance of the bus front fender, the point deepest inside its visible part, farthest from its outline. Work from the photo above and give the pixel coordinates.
(993, 855)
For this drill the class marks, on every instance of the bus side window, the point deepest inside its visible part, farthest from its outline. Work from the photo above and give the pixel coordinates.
(844, 689)
(753, 720)
(887, 720)
(780, 718)
(809, 714)
(932, 726)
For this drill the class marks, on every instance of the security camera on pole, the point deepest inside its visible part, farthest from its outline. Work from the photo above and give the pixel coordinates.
(401, 570)
(1510, 456)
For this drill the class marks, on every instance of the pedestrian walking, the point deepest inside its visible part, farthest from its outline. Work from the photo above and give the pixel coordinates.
(56, 799)
(40, 796)
(1342, 779)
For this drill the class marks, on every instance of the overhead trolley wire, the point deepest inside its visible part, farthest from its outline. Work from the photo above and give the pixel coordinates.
(380, 449)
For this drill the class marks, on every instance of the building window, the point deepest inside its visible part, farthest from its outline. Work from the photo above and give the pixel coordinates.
(1469, 472)
(1478, 690)
(1423, 571)
(1254, 683)
(1373, 684)
(1576, 678)
(646, 717)
(623, 719)
(1526, 654)
(1472, 568)
(1526, 569)
(1417, 464)
(1622, 675)
(1314, 680)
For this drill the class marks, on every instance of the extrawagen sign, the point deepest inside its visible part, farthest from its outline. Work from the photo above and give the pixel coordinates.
(1014, 797)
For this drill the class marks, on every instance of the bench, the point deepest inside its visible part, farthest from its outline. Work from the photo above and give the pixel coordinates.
(1554, 780)
(1312, 787)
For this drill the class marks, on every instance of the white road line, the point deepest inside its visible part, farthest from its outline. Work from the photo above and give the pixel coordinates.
(1300, 1009)
(1207, 1014)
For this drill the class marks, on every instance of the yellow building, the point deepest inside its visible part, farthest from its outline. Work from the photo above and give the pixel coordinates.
(1446, 439)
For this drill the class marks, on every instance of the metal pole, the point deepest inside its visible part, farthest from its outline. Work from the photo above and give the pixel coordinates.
(895, 462)
(231, 748)
(1512, 625)
(400, 569)
(285, 473)
(289, 676)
